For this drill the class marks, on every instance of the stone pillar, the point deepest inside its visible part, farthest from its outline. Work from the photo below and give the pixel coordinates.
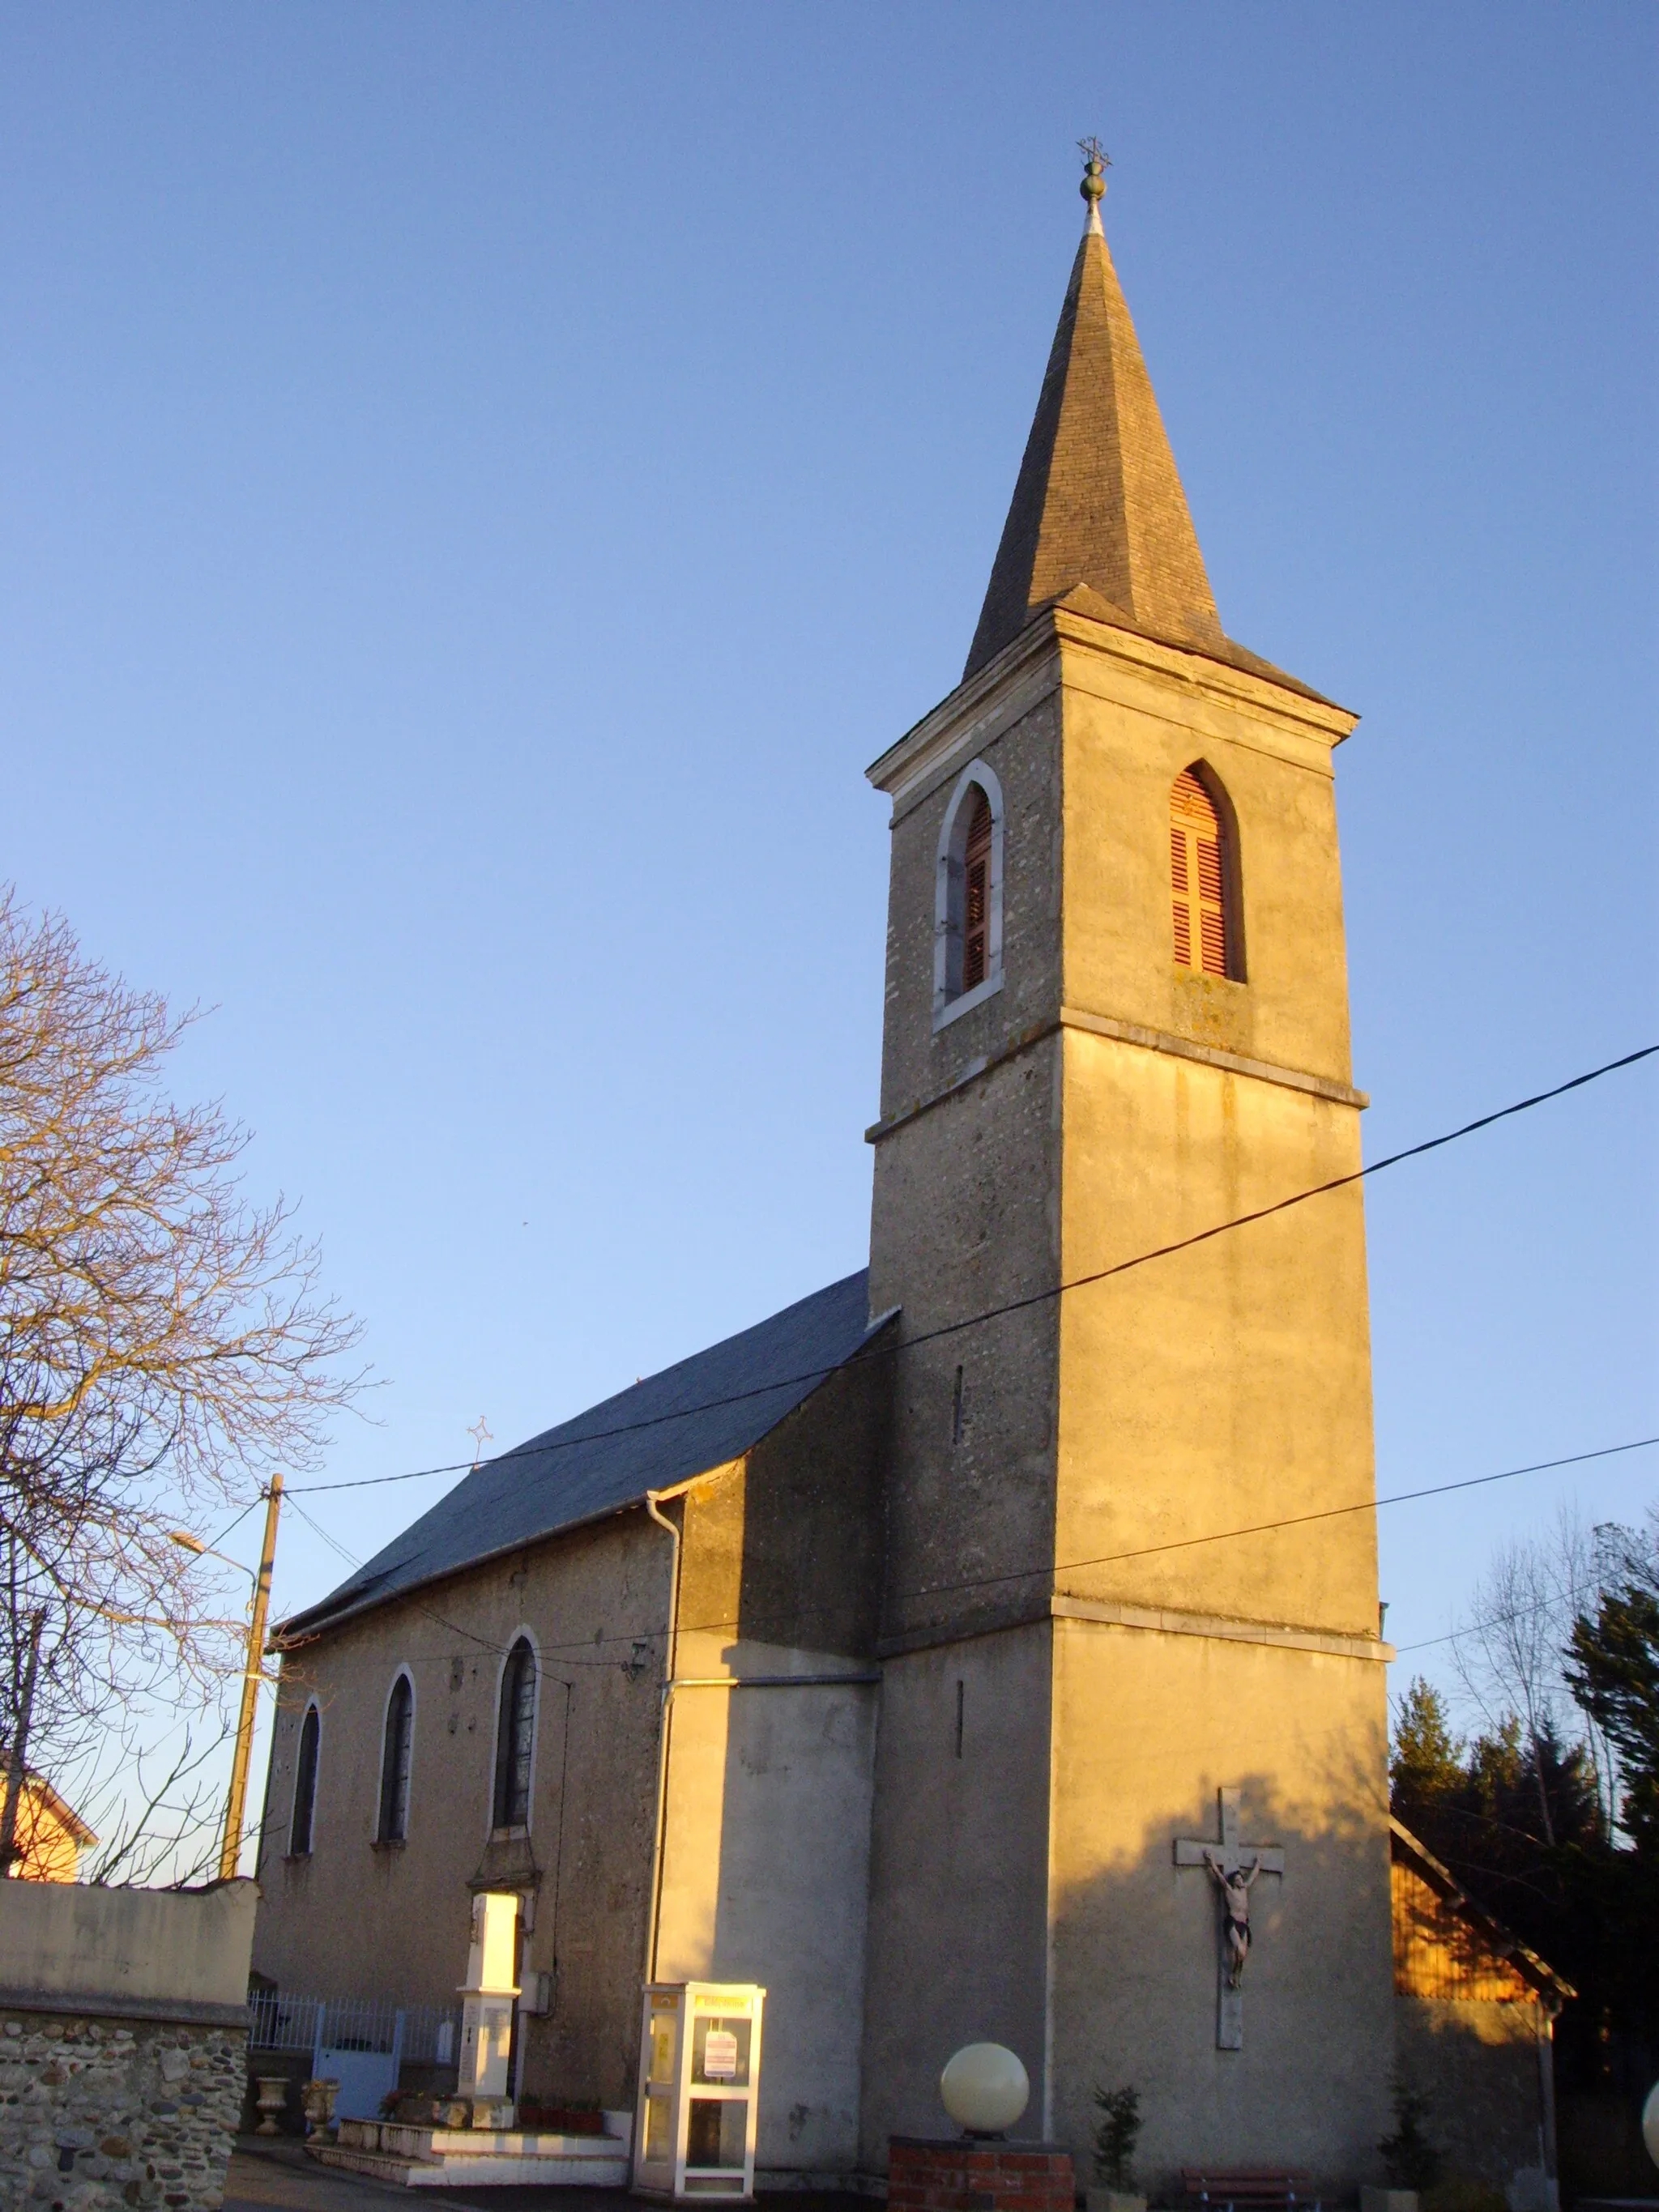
(487, 1999)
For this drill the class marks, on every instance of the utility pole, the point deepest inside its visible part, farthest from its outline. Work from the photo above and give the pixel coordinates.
(17, 1755)
(230, 1854)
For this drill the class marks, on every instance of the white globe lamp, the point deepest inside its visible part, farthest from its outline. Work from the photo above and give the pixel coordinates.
(1650, 2124)
(985, 2089)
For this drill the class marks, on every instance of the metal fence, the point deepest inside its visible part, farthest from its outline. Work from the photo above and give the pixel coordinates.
(425, 2034)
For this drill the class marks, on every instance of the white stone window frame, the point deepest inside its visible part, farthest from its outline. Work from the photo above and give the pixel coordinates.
(522, 1634)
(314, 1705)
(950, 1001)
(401, 1673)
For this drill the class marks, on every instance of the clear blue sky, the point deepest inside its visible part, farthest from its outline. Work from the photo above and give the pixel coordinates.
(480, 483)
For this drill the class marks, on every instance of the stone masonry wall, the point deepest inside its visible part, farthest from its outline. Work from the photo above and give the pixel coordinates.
(100, 2113)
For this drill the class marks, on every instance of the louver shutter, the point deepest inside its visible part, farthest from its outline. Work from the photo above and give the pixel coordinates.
(976, 895)
(1197, 878)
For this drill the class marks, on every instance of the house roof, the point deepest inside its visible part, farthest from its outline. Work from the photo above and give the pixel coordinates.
(699, 1414)
(61, 1811)
(1543, 1978)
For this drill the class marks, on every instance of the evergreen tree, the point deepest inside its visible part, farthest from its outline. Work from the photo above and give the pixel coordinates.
(1427, 1765)
(1613, 1670)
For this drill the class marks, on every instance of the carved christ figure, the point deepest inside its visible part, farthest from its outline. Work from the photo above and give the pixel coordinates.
(1235, 1889)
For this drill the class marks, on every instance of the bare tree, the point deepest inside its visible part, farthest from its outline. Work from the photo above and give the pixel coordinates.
(161, 1815)
(164, 1346)
(1508, 1652)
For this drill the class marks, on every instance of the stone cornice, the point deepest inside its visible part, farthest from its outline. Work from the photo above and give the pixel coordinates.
(1162, 1620)
(1194, 671)
(1026, 670)
(1072, 1017)
(1210, 1055)
(1170, 1620)
(974, 714)
(92, 2004)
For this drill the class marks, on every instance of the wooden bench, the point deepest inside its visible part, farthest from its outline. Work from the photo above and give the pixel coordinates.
(1248, 2188)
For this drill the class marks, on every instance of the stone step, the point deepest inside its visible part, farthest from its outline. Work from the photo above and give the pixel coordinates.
(466, 2157)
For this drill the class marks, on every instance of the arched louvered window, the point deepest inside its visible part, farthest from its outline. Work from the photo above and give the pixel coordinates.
(396, 1759)
(1200, 876)
(967, 921)
(515, 1737)
(976, 893)
(305, 1784)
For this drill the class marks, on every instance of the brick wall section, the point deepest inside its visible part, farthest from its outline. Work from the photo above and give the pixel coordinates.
(98, 2115)
(965, 2174)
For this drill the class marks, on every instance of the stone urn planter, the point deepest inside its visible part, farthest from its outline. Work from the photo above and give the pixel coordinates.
(272, 2098)
(317, 2101)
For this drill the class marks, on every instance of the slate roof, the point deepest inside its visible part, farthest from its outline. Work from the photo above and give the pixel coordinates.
(707, 1410)
(1098, 501)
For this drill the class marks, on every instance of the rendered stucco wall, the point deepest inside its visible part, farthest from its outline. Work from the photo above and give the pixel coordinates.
(1228, 1383)
(1479, 2066)
(182, 1946)
(765, 1879)
(767, 1841)
(1148, 1726)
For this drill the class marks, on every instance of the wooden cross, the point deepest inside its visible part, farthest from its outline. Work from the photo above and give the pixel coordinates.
(1230, 1857)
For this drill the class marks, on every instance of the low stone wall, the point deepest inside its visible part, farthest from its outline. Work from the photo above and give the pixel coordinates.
(123, 2044)
(97, 2113)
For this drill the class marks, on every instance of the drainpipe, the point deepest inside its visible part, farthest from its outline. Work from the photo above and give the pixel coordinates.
(1547, 2142)
(671, 1652)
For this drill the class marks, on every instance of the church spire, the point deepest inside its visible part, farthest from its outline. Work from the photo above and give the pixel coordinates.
(1098, 501)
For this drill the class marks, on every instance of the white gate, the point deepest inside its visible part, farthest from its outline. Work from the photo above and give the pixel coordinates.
(359, 2042)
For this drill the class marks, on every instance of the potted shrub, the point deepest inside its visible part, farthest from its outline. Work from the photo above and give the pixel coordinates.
(1116, 2133)
(1411, 2160)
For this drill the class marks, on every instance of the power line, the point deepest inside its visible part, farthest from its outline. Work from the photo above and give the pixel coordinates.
(1558, 1595)
(1290, 1520)
(472, 1635)
(1051, 1568)
(535, 1447)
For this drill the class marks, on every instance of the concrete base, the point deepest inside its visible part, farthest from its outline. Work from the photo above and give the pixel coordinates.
(439, 2158)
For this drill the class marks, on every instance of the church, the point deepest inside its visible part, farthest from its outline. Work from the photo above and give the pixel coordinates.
(987, 1647)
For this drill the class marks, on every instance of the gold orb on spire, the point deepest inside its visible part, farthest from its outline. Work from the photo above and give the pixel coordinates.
(1095, 162)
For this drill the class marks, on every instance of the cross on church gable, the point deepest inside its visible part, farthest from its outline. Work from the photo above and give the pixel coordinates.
(1235, 1867)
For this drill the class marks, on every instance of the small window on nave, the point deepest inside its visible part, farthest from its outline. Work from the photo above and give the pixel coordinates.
(1202, 877)
(515, 1738)
(397, 1758)
(304, 1785)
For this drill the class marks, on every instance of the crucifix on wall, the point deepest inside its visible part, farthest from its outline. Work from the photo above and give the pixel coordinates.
(1235, 1867)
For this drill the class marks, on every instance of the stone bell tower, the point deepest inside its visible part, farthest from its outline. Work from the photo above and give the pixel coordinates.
(1117, 1017)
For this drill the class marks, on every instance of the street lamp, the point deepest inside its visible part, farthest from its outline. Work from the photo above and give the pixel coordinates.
(230, 1851)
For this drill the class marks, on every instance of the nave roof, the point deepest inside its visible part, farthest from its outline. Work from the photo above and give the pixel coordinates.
(698, 1414)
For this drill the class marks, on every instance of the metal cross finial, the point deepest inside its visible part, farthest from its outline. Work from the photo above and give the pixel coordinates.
(481, 1436)
(1095, 162)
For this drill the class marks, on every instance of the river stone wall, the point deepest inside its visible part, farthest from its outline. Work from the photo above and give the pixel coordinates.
(101, 2113)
